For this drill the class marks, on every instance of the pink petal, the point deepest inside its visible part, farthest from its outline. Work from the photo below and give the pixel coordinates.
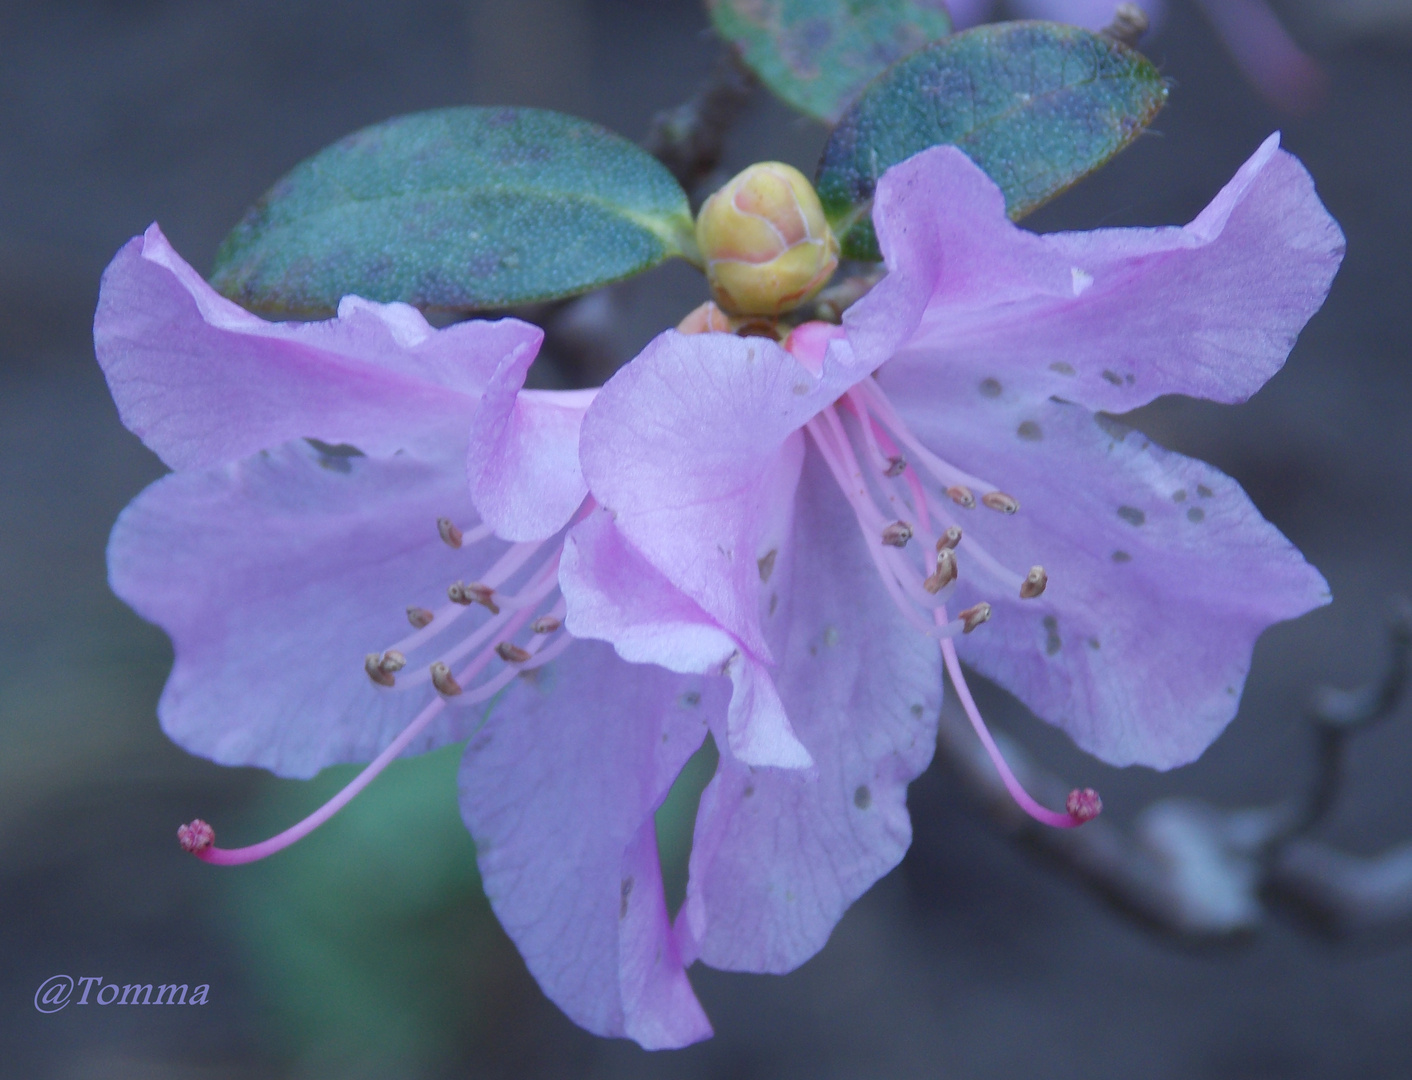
(615, 595)
(1162, 574)
(274, 577)
(694, 448)
(779, 856)
(559, 796)
(202, 381)
(1111, 318)
(523, 461)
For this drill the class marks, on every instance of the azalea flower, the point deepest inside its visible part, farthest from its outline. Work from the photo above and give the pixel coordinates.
(1283, 73)
(361, 539)
(935, 478)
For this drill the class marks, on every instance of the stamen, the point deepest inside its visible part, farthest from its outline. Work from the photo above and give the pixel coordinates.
(897, 534)
(949, 539)
(511, 653)
(896, 466)
(382, 666)
(962, 496)
(419, 617)
(503, 569)
(828, 436)
(474, 593)
(450, 535)
(972, 617)
(1077, 810)
(442, 679)
(545, 624)
(196, 837)
(1034, 584)
(946, 571)
(998, 500)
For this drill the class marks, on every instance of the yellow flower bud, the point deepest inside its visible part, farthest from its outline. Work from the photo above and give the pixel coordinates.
(766, 243)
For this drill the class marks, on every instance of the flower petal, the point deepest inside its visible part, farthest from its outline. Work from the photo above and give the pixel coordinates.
(274, 577)
(1110, 318)
(559, 797)
(202, 381)
(779, 856)
(523, 461)
(1162, 573)
(614, 594)
(695, 447)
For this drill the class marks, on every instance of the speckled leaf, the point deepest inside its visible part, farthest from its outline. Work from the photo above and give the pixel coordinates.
(818, 54)
(456, 210)
(1037, 105)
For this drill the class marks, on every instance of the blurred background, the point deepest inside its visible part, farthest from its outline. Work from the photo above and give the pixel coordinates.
(368, 951)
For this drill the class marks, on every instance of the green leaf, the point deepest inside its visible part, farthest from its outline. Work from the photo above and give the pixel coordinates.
(456, 210)
(818, 54)
(1038, 106)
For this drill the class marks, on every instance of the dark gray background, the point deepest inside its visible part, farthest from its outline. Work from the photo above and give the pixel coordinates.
(971, 961)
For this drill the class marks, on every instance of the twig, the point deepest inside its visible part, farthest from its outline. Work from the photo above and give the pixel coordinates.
(690, 138)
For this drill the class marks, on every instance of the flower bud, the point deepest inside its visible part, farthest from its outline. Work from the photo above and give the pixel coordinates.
(766, 244)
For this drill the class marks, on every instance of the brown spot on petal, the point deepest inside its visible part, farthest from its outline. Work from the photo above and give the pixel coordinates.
(990, 388)
(862, 797)
(1132, 515)
(766, 563)
(625, 891)
(1029, 431)
(1196, 515)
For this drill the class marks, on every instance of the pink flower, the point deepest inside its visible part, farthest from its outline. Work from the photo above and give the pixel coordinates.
(786, 514)
(723, 507)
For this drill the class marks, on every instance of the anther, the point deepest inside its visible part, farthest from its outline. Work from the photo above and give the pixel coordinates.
(962, 496)
(442, 680)
(450, 535)
(545, 624)
(474, 593)
(512, 653)
(382, 666)
(945, 571)
(196, 837)
(1084, 805)
(419, 617)
(972, 617)
(1034, 583)
(949, 539)
(896, 466)
(998, 500)
(897, 534)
